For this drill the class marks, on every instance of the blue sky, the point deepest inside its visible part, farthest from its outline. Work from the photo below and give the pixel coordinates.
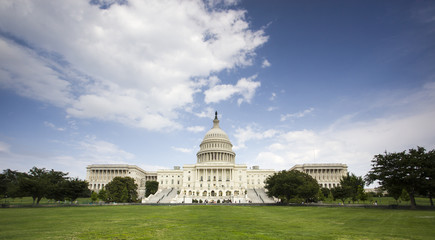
(137, 82)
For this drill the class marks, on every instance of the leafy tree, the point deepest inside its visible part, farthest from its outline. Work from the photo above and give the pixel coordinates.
(57, 190)
(76, 188)
(412, 171)
(325, 192)
(94, 196)
(124, 196)
(151, 187)
(321, 196)
(102, 195)
(288, 185)
(340, 192)
(116, 187)
(350, 184)
(404, 196)
(330, 196)
(395, 192)
(10, 184)
(362, 195)
(40, 183)
(428, 168)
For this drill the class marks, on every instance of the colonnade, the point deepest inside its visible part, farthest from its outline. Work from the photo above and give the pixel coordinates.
(326, 174)
(214, 174)
(105, 174)
(216, 156)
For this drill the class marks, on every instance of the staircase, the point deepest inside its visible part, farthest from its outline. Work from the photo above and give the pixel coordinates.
(158, 196)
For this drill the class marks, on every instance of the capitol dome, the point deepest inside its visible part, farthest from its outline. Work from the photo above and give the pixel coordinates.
(216, 146)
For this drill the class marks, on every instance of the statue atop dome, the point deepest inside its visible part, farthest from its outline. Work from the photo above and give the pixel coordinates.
(215, 121)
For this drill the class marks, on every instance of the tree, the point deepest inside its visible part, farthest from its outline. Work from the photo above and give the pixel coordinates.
(9, 184)
(428, 186)
(40, 183)
(340, 192)
(325, 192)
(94, 196)
(350, 184)
(412, 171)
(362, 195)
(102, 195)
(124, 195)
(151, 187)
(288, 185)
(76, 188)
(404, 196)
(115, 189)
(321, 196)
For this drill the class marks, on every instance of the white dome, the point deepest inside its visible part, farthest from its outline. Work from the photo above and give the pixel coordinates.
(216, 146)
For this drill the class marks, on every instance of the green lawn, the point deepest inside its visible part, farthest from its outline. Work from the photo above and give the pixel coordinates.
(44, 201)
(214, 222)
(421, 201)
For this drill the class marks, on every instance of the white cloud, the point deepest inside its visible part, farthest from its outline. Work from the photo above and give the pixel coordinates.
(207, 113)
(4, 147)
(52, 126)
(29, 75)
(269, 158)
(270, 109)
(265, 64)
(245, 87)
(183, 150)
(296, 115)
(133, 63)
(408, 123)
(243, 135)
(272, 97)
(88, 151)
(99, 151)
(196, 129)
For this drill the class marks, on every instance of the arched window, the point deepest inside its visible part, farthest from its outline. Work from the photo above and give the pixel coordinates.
(204, 194)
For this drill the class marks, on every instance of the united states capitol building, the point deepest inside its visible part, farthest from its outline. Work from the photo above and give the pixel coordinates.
(215, 176)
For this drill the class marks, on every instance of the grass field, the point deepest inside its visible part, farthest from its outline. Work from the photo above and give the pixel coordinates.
(214, 222)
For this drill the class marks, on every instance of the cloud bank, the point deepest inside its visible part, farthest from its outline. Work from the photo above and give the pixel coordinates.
(134, 63)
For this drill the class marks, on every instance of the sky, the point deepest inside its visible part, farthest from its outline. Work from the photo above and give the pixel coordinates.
(138, 81)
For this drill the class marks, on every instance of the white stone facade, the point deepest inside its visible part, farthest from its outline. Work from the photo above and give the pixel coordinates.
(214, 177)
(99, 175)
(328, 175)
